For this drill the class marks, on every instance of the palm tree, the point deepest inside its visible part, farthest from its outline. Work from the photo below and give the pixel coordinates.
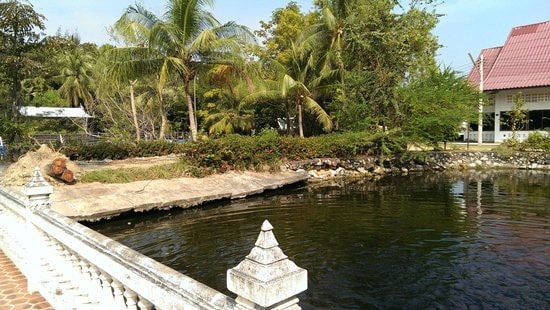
(233, 80)
(186, 38)
(227, 119)
(76, 77)
(291, 89)
(223, 113)
(325, 37)
(151, 98)
(124, 67)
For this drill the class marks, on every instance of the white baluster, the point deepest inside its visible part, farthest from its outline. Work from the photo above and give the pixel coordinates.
(85, 269)
(131, 299)
(67, 287)
(94, 276)
(144, 304)
(106, 289)
(118, 291)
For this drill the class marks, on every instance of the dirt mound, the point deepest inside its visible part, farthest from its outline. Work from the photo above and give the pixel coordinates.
(20, 172)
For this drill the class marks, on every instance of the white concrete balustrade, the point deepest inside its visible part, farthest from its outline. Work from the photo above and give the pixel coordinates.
(74, 267)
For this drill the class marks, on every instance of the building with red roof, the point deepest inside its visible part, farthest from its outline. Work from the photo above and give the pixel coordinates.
(521, 65)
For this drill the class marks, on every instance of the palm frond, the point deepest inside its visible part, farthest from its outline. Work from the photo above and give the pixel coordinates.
(321, 115)
(134, 25)
(260, 96)
(132, 62)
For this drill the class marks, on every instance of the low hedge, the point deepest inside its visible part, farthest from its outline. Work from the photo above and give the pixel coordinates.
(243, 152)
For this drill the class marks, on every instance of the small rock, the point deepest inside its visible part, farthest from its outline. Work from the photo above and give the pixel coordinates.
(340, 171)
(313, 174)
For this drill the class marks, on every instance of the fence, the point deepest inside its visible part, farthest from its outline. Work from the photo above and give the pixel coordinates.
(74, 267)
(79, 138)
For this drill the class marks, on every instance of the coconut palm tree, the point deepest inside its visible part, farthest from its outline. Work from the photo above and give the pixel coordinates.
(126, 66)
(233, 80)
(294, 88)
(76, 77)
(325, 37)
(184, 39)
(222, 113)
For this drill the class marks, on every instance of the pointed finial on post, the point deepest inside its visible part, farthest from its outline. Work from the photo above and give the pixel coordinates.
(266, 278)
(38, 191)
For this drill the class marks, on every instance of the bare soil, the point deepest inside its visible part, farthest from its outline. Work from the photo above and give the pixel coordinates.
(20, 172)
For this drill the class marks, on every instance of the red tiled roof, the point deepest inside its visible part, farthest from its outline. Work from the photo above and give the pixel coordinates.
(523, 61)
(490, 56)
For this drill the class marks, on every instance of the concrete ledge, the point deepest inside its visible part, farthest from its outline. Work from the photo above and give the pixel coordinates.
(96, 201)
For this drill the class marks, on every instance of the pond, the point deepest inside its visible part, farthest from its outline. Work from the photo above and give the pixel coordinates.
(476, 239)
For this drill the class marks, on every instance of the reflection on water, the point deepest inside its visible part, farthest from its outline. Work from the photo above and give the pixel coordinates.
(419, 241)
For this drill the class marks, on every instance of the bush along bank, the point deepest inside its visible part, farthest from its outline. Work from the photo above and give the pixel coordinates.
(375, 167)
(343, 154)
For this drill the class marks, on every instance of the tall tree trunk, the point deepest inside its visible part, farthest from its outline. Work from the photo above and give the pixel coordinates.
(134, 111)
(163, 119)
(288, 125)
(300, 125)
(191, 110)
(15, 99)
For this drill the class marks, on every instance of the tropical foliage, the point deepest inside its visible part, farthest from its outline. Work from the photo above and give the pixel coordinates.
(436, 105)
(345, 66)
(186, 38)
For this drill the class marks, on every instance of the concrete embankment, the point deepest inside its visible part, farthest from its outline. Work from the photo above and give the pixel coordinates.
(96, 201)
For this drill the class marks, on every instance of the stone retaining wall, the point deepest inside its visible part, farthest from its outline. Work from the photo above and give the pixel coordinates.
(322, 168)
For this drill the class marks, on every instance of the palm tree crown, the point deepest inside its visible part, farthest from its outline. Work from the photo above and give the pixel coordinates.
(184, 39)
(76, 76)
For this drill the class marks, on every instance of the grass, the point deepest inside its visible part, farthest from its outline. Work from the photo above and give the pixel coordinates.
(472, 146)
(457, 146)
(126, 175)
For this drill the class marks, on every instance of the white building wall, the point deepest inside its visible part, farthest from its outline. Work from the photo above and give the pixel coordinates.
(536, 99)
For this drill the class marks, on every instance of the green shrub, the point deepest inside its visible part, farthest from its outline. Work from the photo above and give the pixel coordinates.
(536, 141)
(245, 152)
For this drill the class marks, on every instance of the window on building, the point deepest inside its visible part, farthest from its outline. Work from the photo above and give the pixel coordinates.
(488, 122)
(536, 97)
(538, 120)
(505, 121)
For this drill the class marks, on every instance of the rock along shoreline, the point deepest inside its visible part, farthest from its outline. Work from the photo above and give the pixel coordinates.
(374, 167)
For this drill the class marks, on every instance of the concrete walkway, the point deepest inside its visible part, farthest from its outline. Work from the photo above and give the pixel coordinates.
(13, 289)
(95, 201)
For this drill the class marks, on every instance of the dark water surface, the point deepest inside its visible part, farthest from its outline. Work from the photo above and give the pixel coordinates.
(478, 240)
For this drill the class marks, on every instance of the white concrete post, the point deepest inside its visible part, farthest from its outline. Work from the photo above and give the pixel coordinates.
(38, 191)
(266, 278)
